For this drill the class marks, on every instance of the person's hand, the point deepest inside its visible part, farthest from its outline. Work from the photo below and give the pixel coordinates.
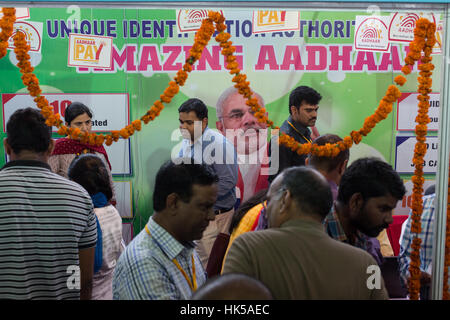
(314, 133)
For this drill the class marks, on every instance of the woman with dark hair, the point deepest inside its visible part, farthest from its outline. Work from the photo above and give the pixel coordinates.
(77, 115)
(90, 172)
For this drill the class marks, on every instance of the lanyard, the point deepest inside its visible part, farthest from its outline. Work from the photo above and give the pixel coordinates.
(309, 140)
(193, 283)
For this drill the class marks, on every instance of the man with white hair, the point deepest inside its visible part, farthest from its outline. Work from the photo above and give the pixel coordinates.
(239, 125)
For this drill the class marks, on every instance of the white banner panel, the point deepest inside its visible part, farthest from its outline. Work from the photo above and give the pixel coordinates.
(127, 232)
(21, 13)
(404, 206)
(407, 111)
(404, 152)
(110, 111)
(124, 198)
(119, 157)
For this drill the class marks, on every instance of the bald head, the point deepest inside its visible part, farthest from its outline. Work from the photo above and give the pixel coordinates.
(233, 286)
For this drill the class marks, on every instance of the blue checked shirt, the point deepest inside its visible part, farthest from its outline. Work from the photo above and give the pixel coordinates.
(145, 270)
(426, 235)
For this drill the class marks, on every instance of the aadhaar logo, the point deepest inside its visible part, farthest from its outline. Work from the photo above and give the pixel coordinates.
(407, 23)
(196, 16)
(371, 34)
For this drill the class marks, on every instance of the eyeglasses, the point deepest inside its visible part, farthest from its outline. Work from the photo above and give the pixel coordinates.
(238, 115)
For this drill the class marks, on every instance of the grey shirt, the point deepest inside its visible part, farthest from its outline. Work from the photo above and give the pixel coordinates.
(300, 261)
(214, 150)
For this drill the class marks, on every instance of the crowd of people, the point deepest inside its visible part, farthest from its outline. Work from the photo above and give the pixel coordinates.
(224, 225)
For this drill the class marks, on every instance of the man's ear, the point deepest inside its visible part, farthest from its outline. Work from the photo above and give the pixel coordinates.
(8, 149)
(285, 203)
(172, 202)
(342, 167)
(356, 202)
(51, 146)
(219, 126)
(204, 123)
(294, 110)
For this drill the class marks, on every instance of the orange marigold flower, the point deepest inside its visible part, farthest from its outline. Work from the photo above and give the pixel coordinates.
(400, 80)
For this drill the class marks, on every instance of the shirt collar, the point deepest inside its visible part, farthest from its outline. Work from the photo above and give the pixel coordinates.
(334, 227)
(168, 244)
(199, 140)
(336, 231)
(26, 163)
(305, 224)
(303, 130)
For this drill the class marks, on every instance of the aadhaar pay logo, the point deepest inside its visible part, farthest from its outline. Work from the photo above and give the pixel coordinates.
(274, 20)
(90, 51)
(271, 18)
(87, 50)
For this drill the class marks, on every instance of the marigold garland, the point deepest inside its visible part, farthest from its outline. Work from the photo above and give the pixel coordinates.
(424, 40)
(6, 26)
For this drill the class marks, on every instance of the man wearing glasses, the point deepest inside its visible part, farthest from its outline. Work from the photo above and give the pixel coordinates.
(240, 126)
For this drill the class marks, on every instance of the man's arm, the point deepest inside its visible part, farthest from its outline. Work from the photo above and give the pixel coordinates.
(86, 257)
(227, 171)
(237, 259)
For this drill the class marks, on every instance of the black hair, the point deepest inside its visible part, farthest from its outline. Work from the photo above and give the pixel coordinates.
(89, 171)
(179, 179)
(328, 163)
(309, 188)
(26, 130)
(74, 110)
(196, 105)
(244, 207)
(372, 177)
(303, 94)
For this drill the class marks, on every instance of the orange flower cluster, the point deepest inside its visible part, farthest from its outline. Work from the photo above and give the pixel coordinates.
(424, 40)
(327, 150)
(6, 25)
(30, 80)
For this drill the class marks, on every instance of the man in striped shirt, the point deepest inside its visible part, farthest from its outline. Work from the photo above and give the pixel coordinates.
(47, 225)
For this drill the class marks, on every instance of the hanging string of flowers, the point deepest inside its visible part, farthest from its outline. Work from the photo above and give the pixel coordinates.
(424, 40)
(6, 26)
